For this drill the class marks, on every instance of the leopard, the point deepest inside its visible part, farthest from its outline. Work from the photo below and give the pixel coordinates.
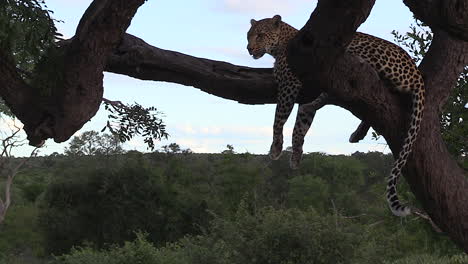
(272, 35)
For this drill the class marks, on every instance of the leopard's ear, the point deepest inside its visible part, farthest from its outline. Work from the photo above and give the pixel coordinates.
(253, 22)
(277, 20)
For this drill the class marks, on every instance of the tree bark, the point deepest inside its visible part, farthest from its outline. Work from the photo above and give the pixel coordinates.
(447, 15)
(137, 59)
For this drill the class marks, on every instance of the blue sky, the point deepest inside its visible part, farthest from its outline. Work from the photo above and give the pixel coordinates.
(216, 29)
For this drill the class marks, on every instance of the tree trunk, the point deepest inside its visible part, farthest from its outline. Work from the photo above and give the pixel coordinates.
(2, 213)
(435, 178)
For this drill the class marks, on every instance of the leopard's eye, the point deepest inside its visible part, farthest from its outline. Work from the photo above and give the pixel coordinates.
(260, 36)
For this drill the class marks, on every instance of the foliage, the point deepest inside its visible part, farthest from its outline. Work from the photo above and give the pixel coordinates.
(107, 206)
(139, 251)
(258, 210)
(131, 120)
(92, 143)
(229, 150)
(4, 110)
(26, 31)
(32, 183)
(277, 236)
(171, 148)
(267, 235)
(417, 41)
(454, 119)
(19, 232)
(28, 37)
(428, 259)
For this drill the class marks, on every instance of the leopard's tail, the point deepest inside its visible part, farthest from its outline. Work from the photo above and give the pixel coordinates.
(416, 116)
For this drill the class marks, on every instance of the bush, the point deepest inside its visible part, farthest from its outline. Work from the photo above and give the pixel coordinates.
(106, 206)
(267, 236)
(281, 236)
(139, 251)
(19, 232)
(428, 259)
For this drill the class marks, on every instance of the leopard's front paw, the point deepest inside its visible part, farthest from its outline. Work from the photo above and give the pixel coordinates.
(295, 160)
(275, 149)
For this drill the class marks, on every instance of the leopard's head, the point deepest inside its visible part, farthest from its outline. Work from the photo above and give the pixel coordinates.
(263, 36)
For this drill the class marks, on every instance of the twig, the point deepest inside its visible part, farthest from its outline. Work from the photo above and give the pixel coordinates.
(118, 106)
(113, 103)
(352, 217)
(376, 223)
(423, 215)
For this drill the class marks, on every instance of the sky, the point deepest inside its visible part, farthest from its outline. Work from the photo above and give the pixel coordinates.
(216, 29)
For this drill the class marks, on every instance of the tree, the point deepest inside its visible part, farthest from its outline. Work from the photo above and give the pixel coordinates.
(171, 148)
(92, 143)
(9, 166)
(317, 56)
(229, 149)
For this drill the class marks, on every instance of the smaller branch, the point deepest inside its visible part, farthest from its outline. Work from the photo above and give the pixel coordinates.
(8, 144)
(424, 216)
(353, 217)
(376, 223)
(114, 103)
(118, 106)
(360, 133)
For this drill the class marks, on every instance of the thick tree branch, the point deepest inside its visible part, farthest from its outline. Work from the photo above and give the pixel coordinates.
(442, 66)
(16, 93)
(448, 15)
(317, 37)
(137, 59)
(99, 32)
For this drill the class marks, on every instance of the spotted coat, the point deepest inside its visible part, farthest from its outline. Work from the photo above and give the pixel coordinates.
(271, 35)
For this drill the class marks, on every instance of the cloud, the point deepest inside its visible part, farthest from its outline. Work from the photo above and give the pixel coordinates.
(213, 139)
(200, 145)
(229, 131)
(217, 145)
(262, 7)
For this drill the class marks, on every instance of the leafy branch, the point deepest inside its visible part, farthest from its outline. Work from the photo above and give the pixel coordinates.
(126, 121)
(26, 30)
(417, 40)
